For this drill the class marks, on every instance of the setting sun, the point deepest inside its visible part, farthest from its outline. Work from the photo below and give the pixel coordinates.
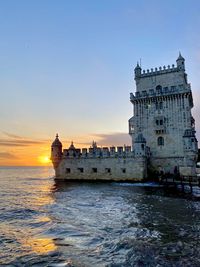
(44, 159)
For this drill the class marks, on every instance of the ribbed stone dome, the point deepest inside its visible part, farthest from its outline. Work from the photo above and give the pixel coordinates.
(180, 57)
(72, 147)
(56, 142)
(137, 66)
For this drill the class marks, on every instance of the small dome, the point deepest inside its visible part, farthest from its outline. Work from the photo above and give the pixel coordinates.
(56, 142)
(72, 147)
(140, 138)
(180, 57)
(138, 66)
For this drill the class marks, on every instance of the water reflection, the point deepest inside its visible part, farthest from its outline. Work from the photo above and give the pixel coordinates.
(94, 224)
(118, 221)
(40, 245)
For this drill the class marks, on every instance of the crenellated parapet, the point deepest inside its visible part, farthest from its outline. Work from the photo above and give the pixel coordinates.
(180, 66)
(99, 152)
(158, 71)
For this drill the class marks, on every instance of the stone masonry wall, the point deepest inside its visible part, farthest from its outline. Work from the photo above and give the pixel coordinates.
(117, 169)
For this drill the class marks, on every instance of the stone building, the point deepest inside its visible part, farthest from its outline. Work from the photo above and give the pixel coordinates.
(162, 117)
(162, 130)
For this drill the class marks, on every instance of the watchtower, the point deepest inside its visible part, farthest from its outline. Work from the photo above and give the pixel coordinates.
(162, 107)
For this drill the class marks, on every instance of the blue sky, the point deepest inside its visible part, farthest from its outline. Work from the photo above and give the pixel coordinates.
(67, 66)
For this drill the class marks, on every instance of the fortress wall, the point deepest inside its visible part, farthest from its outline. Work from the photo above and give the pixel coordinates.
(117, 169)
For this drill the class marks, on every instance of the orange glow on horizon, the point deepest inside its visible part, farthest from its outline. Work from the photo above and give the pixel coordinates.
(36, 152)
(44, 160)
(33, 155)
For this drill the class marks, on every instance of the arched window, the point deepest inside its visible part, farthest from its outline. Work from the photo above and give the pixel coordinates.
(142, 146)
(159, 89)
(160, 141)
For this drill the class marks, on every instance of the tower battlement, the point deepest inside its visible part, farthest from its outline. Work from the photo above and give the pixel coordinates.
(99, 152)
(158, 71)
(180, 66)
(161, 92)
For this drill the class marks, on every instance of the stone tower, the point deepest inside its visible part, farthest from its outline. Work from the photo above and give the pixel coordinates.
(56, 152)
(162, 114)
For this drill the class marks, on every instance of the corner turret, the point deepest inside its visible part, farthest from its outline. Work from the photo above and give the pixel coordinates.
(137, 71)
(56, 152)
(180, 62)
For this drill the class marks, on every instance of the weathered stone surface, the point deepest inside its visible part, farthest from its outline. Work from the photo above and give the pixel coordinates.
(103, 169)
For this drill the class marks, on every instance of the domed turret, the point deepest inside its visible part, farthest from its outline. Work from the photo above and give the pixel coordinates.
(137, 71)
(72, 147)
(56, 142)
(56, 152)
(180, 62)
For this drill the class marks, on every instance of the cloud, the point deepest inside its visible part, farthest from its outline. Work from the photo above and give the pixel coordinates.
(13, 140)
(109, 139)
(5, 142)
(113, 139)
(13, 135)
(6, 155)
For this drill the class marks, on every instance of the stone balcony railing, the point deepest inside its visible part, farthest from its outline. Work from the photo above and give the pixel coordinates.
(165, 91)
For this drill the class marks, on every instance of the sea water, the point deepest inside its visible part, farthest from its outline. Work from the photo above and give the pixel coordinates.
(44, 222)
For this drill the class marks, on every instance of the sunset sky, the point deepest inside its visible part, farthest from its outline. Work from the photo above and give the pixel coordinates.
(67, 67)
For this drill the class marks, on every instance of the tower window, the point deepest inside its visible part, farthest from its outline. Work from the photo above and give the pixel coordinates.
(159, 89)
(81, 170)
(123, 170)
(108, 170)
(142, 145)
(68, 170)
(94, 170)
(160, 141)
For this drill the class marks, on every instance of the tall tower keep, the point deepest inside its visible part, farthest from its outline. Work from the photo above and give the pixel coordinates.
(162, 107)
